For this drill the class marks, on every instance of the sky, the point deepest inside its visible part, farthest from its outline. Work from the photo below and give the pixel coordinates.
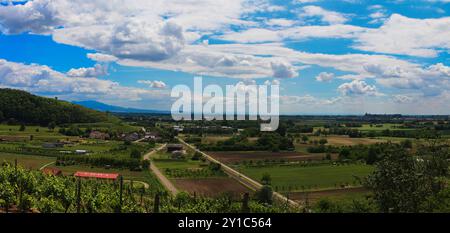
(329, 57)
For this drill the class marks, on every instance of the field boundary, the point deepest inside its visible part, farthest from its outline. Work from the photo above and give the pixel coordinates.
(243, 179)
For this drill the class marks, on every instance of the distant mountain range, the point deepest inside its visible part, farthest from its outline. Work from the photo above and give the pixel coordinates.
(99, 106)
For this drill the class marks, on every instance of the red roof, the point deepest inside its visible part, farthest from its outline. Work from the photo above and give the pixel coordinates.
(111, 176)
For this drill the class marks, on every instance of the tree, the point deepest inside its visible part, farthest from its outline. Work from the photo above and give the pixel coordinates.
(406, 144)
(265, 195)
(51, 126)
(403, 182)
(135, 154)
(305, 138)
(323, 141)
(266, 179)
(22, 127)
(372, 156)
(344, 153)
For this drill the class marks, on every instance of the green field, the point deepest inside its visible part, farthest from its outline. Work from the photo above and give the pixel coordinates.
(310, 177)
(27, 161)
(376, 127)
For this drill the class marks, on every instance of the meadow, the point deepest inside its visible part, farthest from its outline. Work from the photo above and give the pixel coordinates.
(314, 177)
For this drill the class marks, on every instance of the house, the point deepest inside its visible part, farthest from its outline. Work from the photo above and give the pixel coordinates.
(178, 154)
(53, 145)
(178, 128)
(152, 136)
(52, 171)
(81, 152)
(132, 137)
(174, 147)
(99, 135)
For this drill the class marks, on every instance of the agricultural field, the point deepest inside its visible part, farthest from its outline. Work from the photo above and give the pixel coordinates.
(211, 187)
(232, 157)
(380, 127)
(313, 177)
(197, 177)
(332, 194)
(31, 162)
(338, 140)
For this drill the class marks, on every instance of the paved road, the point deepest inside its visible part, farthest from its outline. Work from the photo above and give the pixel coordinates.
(163, 179)
(243, 179)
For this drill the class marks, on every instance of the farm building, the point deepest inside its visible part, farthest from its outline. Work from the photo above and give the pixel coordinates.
(81, 152)
(132, 137)
(99, 135)
(174, 147)
(97, 175)
(178, 154)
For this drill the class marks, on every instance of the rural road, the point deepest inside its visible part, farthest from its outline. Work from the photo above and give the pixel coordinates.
(248, 182)
(163, 179)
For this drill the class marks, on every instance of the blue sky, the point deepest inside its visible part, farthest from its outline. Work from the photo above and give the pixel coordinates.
(330, 57)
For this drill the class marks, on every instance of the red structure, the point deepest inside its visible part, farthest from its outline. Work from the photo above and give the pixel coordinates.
(96, 175)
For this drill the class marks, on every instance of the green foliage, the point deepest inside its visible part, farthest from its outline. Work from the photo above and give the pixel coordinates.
(403, 182)
(266, 179)
(265, 195)
(135, 154)
(24, 107)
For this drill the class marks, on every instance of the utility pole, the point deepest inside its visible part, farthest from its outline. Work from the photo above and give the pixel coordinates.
(79, 195)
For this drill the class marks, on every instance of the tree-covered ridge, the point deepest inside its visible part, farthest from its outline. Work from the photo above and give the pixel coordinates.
(21, 106)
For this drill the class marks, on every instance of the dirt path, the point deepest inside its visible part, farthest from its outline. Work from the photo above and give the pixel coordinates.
(46, 165)
(250, 183)
(146, 186)
(163, 179)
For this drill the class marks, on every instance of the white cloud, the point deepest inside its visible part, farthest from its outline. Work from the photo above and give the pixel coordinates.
(100, 57)
(153, 84)
(407, 36)
(331, 17)
(402, 99)
(356, 88)
(33, 16)
(42, 79)
(255, 35)
(283, 69)
(96, 71)
(280, 22)
(325, 77)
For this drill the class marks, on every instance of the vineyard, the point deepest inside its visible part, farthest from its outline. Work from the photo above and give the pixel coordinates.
(31, 191)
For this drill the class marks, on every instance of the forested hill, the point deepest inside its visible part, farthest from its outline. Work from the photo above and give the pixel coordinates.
(21, 106)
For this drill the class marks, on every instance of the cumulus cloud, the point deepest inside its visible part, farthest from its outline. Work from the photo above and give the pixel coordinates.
(132, 39)
(153, 84)
(100, 57)
(282, 69)
(357, 88)
(96, 71)
(325, 77)
(431, 80)
(407, 36)
(42, 79)
(402, 99)
(331, 17)
(33, 16)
